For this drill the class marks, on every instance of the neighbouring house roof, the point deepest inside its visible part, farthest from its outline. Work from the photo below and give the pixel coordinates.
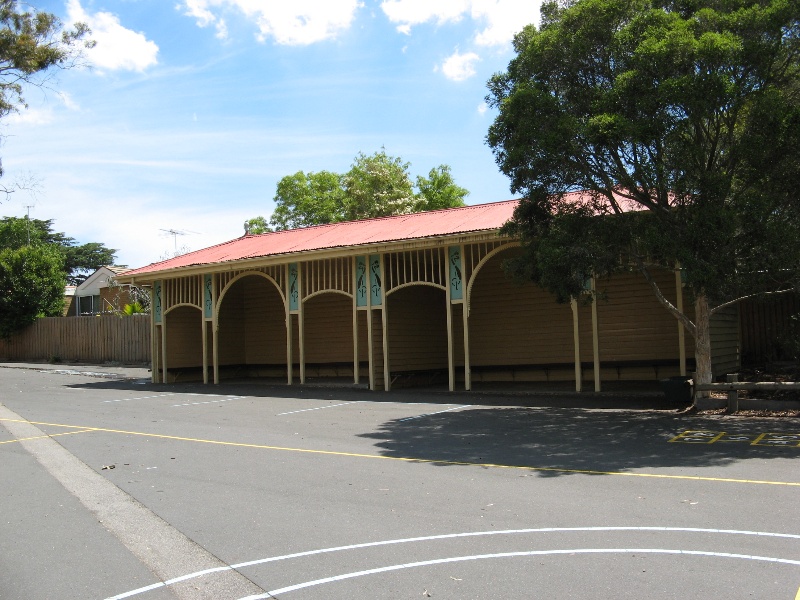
(416, 226)
(117, 270)
(99, 279)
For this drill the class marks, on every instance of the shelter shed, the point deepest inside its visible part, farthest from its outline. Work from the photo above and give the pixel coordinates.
(405, 300)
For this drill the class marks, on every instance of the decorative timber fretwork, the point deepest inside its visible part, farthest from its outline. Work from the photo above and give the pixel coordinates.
(274, 272)
(428, 266)
(328, 275)
(475, 254)
(182, 291)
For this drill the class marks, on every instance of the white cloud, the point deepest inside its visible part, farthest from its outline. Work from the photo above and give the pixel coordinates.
(118, 48)
(44, 115)
(501, 18)
(407, 13)
(297, 23)
(198, 10)
(459, 67)
(482, 108)
(31, 116)
(504, 19)
(67, 100)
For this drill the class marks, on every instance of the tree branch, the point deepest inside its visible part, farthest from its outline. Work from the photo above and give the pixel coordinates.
(685, 321)
(731, 302)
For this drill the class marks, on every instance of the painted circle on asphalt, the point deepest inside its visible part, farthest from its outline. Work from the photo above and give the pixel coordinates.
(488, 556)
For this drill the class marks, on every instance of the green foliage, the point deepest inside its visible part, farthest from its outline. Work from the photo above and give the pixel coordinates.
(31, 286)
(79, 260)
(308, 199)
(686, 111)
(256, 225)
(134, 308)
(32, 43)
(375, 186)
(439, 190)
(127, 299)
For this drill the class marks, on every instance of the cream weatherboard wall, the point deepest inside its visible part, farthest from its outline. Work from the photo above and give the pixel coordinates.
(430, 311)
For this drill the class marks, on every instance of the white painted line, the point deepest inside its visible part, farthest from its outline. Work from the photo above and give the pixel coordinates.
(453, 536)
(141, 398)
(435, 413)
(228, 399)
(319, 408)
(136, 592)
(426, 563)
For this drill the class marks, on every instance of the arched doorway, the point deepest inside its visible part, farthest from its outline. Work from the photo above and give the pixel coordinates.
(251, 332)
(328, 332)
(184, 333)
(518, 332)
(417, 336)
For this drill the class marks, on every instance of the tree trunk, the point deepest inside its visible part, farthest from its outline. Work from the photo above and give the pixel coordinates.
(702, 340)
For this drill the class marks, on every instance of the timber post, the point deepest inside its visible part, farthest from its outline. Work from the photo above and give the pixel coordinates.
(733, 393)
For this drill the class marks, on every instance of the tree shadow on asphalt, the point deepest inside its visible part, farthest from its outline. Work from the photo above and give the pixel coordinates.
(565, 441)
(560, 434)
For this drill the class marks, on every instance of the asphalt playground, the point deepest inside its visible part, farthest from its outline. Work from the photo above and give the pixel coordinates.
(112, 487)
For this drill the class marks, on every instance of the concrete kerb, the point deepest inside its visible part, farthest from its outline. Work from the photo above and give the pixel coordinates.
(104, 371)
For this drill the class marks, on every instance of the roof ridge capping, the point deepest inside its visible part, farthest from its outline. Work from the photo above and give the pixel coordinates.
(375, 219)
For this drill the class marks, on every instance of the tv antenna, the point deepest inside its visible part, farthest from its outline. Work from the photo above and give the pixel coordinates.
(176, 232)
(28, 221)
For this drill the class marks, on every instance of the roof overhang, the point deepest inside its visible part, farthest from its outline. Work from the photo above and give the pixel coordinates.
(147, 278)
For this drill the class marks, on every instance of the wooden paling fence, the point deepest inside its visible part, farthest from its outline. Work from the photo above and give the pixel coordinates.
(764, 327)
(82, 339)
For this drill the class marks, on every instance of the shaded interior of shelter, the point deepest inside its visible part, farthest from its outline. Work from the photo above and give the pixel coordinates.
(518, 336)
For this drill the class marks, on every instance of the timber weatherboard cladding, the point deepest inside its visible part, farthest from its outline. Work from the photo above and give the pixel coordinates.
(329, 329)
(515, 325)
(184, 339)
(725, 336)
(417, 329)
(379, 312)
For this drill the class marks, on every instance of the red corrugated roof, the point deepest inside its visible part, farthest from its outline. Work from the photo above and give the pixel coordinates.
(452, 221)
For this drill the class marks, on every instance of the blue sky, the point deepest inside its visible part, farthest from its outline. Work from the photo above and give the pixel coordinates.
(192, 110)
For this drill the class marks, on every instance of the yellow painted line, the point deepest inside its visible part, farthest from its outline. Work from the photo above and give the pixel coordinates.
(798, 595)
(44, 437)
(698, 433)
(409, 459)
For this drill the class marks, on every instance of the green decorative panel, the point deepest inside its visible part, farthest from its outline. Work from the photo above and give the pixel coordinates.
(375, 283)
(208, 296)
(294, 287)
(157, 301)
(361, 280)
(456, 280)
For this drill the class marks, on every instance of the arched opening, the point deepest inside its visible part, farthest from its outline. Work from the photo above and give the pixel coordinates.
(328, 332)
(252, 330)
(417, 336)
(637, 337)
(184, 331)
(519, 332)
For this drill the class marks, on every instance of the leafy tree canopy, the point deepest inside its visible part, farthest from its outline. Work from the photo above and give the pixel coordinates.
(31, 286)
(375, 186)
(79, 260)
(257, 225)
(32, 44)
(682, 118)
